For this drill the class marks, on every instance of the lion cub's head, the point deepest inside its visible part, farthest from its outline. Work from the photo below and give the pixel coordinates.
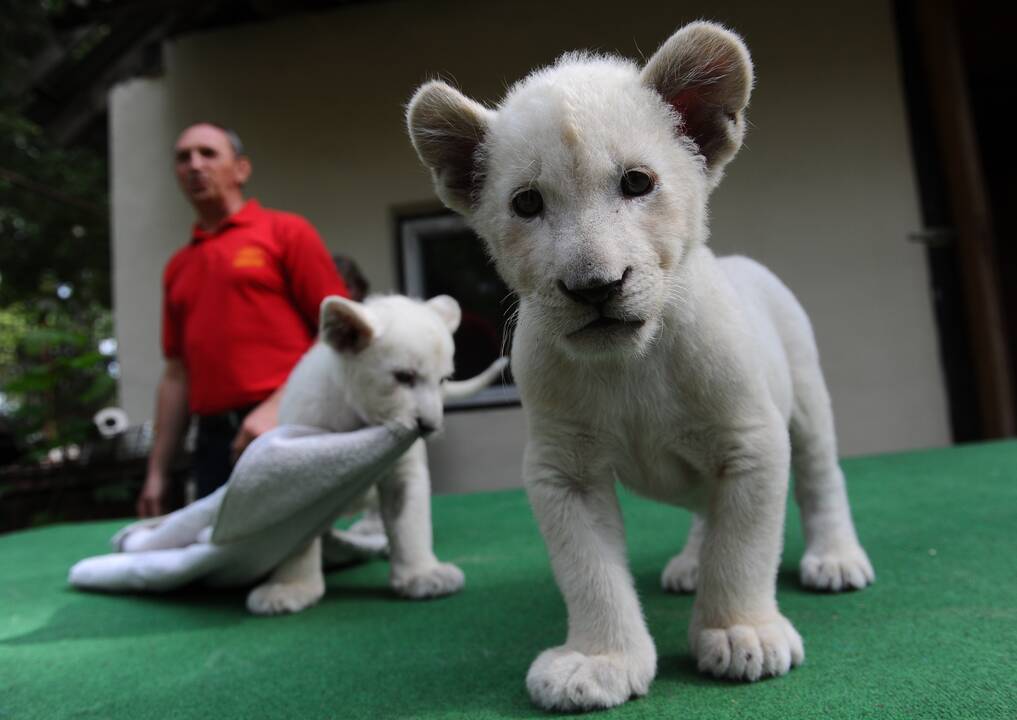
(590, 181)
(396, 355)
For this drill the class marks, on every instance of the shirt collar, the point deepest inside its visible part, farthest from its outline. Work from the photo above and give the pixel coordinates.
(244, 216)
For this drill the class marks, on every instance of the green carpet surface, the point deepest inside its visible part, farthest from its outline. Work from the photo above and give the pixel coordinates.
(935, 637)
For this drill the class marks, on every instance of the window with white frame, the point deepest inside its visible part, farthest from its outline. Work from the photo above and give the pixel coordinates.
(439, 254)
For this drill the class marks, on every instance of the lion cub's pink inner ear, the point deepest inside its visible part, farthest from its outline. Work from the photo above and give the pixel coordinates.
(705, 73)
(346, 326)
(689, 103)
(446, 129)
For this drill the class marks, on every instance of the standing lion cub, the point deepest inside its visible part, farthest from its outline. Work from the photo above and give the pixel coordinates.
(641, 357)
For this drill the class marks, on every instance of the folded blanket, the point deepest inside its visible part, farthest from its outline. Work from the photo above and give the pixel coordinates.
(288, 487)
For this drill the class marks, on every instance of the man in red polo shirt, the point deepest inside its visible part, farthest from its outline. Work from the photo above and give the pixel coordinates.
(240, 307)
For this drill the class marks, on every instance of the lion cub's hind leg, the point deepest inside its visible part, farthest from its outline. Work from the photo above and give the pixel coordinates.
(682, 573)
(363, 540)
(834, 560)
(293, 586)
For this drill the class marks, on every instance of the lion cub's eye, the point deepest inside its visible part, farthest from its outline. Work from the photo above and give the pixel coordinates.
(635, 183)
(527, 203)
(405, 377)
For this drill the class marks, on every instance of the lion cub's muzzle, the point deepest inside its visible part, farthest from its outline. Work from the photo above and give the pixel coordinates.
(427, 427)
(594, 291)
(599, 293)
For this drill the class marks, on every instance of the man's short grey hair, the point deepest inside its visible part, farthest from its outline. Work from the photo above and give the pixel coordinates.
(231, 134)
(235, 142)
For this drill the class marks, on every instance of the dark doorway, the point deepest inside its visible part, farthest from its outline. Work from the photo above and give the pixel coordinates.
(958, 73)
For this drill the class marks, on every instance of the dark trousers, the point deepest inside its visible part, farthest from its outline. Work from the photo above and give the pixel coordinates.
(212, 451)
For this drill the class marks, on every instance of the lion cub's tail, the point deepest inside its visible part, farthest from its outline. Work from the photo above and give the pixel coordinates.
(458, 389)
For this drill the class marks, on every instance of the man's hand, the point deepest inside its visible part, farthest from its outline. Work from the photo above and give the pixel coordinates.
(152, 500)
(171, 418)
(260, 420)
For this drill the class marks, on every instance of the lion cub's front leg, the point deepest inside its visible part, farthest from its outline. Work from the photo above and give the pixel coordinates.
(737, 631)
(293, 586)
(608, 655)
(406, 513)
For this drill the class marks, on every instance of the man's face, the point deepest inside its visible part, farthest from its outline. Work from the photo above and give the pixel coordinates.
(207, 167)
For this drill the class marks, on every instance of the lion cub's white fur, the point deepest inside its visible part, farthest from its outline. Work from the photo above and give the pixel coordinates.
(642, 358)
(379, 362)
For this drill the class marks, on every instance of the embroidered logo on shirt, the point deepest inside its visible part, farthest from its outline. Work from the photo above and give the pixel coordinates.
(250, 256)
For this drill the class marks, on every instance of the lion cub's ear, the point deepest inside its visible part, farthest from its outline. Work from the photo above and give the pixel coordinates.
(447, 307)
(705, 73)
(447, 128)
(346, 325)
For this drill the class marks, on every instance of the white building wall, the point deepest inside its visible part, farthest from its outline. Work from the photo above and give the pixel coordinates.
(823, 192)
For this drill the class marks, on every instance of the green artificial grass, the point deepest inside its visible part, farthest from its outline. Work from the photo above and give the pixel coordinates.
(935, 637)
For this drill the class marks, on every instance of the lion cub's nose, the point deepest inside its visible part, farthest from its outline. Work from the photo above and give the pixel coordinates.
(594, 291)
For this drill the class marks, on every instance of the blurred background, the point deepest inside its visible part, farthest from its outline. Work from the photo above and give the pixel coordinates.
(877, 180)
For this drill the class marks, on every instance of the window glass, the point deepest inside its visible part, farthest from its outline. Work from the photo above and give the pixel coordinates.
(439, 255)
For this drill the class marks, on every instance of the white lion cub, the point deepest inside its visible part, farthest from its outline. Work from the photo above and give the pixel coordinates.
(641, 357)
(384, 360)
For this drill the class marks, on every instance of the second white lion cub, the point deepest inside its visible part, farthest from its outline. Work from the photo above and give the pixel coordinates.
(643, 358)
(387, 359)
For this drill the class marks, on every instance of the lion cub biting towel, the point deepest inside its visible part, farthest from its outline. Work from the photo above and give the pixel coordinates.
(641, 357)
(385, 359)
(385, 365)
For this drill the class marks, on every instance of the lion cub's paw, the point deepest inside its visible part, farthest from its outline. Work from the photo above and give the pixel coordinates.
(279, 598)
(837, 571)
(441, 579)
(681, 574)
(564, 679)
(748, 652)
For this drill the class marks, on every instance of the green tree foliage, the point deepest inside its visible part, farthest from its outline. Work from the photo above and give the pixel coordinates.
(54, 256)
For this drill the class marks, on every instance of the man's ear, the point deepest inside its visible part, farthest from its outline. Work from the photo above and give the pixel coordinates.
(243, 170)
(346, 325)
(446, 307)
(705, 73)
(447, 129)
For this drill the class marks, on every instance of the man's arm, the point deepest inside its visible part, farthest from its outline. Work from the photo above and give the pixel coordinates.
(171, 416)
(260, 420)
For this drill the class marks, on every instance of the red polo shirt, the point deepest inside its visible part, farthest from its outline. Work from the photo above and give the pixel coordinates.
(240, 305)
